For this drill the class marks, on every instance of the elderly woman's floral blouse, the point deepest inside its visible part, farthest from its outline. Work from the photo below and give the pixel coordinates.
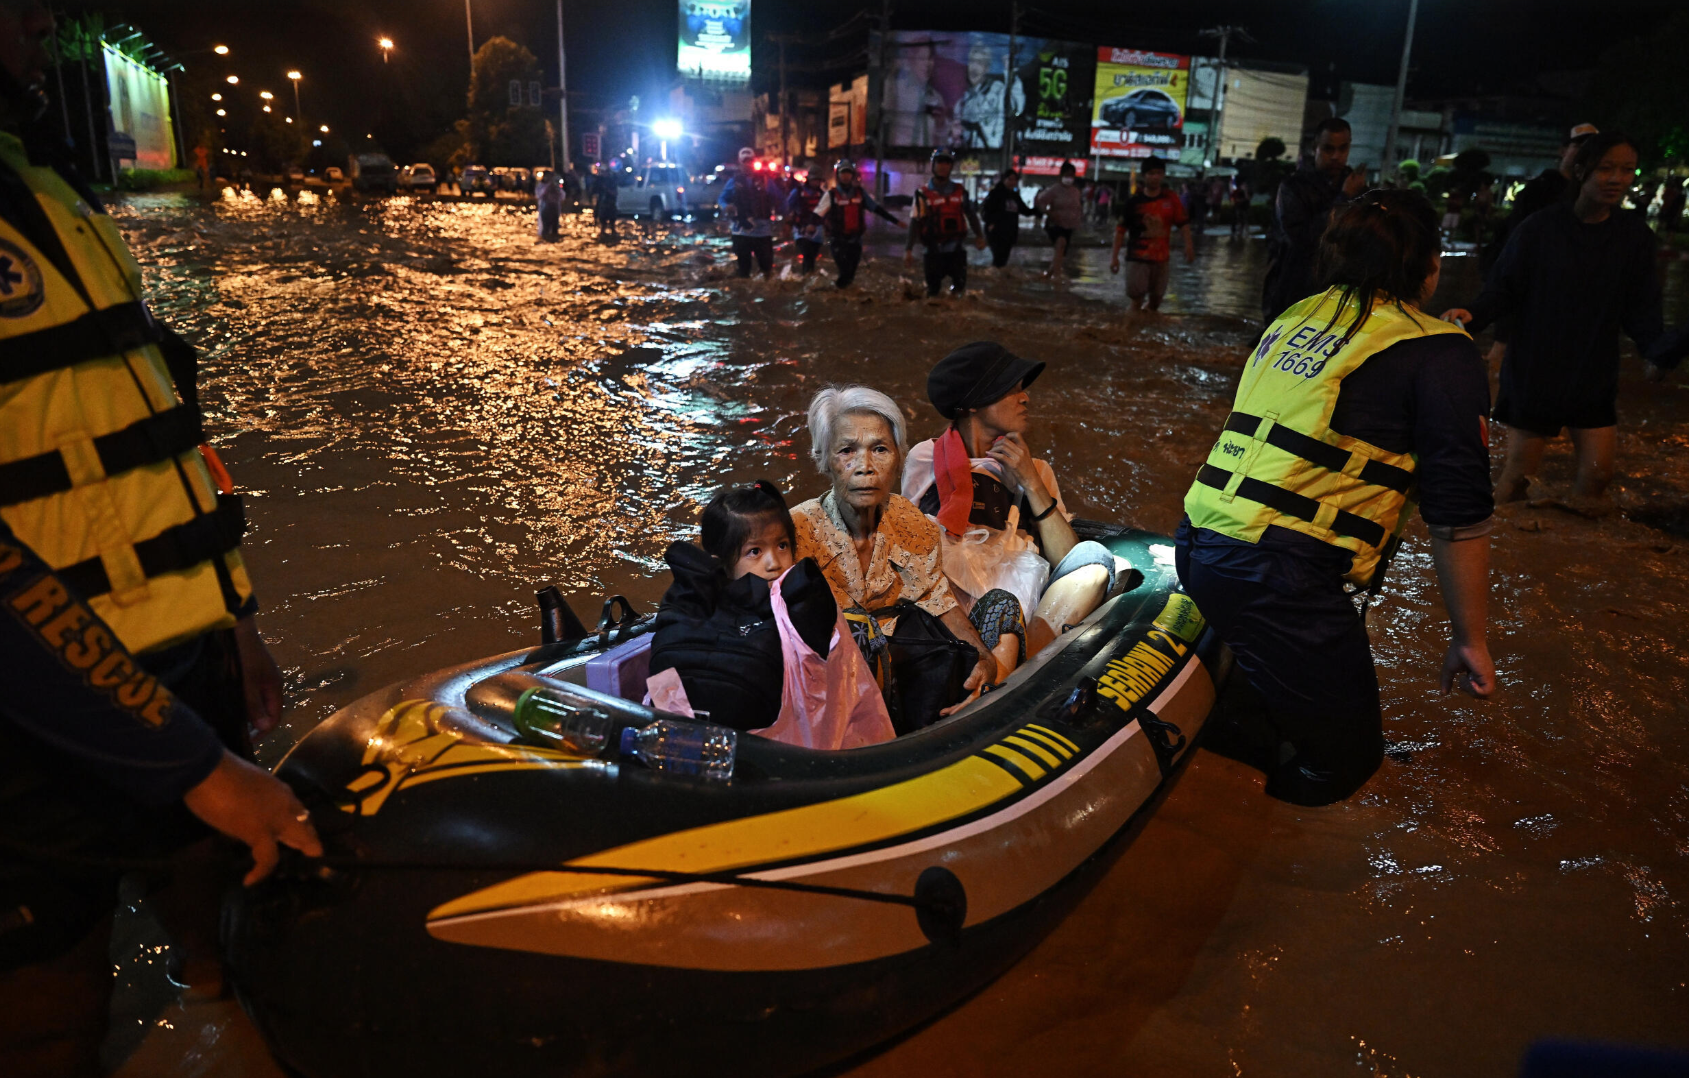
(907, 562)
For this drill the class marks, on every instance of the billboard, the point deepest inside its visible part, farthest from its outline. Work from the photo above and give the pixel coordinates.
(715, 40)
(140, 109)
(847, 114)
(949, 89)
(1139, 105)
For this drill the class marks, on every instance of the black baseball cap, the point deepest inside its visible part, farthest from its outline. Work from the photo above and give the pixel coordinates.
(976, 375)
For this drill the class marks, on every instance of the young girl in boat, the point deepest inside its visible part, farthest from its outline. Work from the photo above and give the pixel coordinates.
(757, 641)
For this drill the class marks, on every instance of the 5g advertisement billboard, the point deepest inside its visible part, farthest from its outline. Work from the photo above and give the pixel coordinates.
(1139, 107)
(715, 40)
(947, 89)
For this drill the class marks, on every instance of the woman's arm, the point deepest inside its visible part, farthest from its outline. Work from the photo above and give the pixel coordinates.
(1463, 574)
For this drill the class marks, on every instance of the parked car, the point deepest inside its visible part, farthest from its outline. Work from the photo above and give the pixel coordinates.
(373, 172)
(522, 180)
(418, 177)
(1141, 110)
(293, 176)
(477, 180)
(658, 191)
(331, 174)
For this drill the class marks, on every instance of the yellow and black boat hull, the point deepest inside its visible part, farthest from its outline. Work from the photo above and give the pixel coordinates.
(488, 910)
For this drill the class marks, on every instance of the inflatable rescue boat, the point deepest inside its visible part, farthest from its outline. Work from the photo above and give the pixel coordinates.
(489, 906)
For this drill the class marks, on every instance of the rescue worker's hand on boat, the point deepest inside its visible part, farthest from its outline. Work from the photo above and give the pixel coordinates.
(252, 806)
(260, 677)
(1460, 316)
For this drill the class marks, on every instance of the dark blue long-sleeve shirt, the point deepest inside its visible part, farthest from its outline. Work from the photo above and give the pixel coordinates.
(1571, 287)
(73, 687)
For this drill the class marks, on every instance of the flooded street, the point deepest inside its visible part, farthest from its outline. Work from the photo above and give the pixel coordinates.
(433, 417)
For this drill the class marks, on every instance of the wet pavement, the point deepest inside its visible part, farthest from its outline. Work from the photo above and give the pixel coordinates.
(434, 416)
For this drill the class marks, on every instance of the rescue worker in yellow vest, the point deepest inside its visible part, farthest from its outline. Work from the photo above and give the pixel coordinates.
(1354, 406)
(129, 658)
(941, 219)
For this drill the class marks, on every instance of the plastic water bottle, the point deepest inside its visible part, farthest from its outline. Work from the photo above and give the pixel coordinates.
(552, 719)
(684, 748)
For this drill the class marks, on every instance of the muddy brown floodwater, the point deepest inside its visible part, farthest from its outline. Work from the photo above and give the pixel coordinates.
(433, 416)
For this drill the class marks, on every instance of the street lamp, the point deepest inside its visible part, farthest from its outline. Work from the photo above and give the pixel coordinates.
(216, 97)
(294, 77)
(386, 44)
(221, 50)
(323, 129)
(233, 80)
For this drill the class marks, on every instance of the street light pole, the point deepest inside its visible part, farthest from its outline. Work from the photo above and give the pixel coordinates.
(563, 87)
(1387, 167)
(298, 114)
(469, 20)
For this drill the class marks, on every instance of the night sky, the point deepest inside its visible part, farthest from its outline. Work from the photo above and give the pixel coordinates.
(626, 47)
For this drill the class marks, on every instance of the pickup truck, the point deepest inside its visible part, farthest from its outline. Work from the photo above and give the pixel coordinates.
(658, 191)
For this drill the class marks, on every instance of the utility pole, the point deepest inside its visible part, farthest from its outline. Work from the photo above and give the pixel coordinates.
(880, 134)
(1008, 88)
(1216, 104)
(1387, 167)
(469, 20)
(785, 159)
(563, 87)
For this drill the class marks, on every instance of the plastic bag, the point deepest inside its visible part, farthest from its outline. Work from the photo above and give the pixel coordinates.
(830, 703)
(982, 559)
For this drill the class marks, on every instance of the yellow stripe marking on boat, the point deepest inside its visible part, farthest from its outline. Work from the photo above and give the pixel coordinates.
(1027, 765)
(1048, 742)
(792, 834)
(1036, 749)
(1047, 732)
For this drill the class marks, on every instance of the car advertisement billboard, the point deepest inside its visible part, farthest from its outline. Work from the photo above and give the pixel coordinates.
(1139, 105)
(948, 89)
(715, 40)
(140, 109)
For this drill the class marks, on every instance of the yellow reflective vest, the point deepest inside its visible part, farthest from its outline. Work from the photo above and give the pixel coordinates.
(1279, 462)
(100, 468)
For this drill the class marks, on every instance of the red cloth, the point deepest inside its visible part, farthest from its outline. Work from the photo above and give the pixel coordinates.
(952, 471)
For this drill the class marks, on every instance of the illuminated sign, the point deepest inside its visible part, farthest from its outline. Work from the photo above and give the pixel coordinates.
(715, 39)
(140, 109)
(1139, 105)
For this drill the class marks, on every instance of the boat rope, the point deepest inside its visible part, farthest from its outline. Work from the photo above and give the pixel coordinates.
(939, 902)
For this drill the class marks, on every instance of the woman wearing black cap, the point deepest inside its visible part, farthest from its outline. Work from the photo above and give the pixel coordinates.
(1009, 548)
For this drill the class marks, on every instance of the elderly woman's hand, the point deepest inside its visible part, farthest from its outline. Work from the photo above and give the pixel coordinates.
(985, 673)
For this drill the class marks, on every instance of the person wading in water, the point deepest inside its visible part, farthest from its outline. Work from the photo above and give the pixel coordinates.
(1352, 400)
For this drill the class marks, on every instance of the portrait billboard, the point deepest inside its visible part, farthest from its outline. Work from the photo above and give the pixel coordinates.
(715, 40)
(140, 109)
(949, 89)
(1139, 103)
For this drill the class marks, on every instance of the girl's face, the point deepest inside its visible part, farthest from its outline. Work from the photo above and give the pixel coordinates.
(766, 552)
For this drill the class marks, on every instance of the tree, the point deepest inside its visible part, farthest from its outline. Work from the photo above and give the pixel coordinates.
(1408, 171)
(1270, 149)
(498, 131)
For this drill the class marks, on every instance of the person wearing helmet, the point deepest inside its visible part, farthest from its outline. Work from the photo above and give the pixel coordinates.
(845, 210)
(801, 213)
(750, 208)
(944, 214)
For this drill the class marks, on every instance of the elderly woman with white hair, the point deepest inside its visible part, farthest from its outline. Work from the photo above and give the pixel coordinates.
(875, 548)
